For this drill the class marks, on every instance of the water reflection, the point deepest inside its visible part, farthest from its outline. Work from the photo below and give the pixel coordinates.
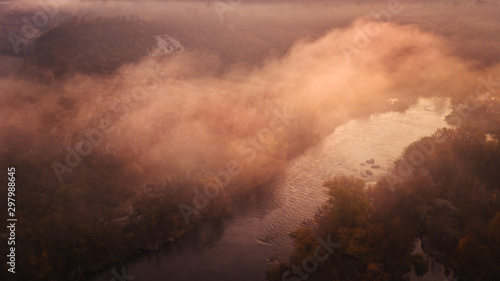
(239, 247)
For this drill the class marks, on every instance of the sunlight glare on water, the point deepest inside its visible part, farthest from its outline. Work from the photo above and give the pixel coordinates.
(238, 248)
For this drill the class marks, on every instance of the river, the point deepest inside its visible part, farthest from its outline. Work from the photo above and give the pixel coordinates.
(240, 247)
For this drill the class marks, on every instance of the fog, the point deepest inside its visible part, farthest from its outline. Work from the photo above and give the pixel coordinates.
(117, 113)
(193, 111)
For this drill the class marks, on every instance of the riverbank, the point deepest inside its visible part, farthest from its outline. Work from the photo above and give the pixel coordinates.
(239, 246)
(453, 209)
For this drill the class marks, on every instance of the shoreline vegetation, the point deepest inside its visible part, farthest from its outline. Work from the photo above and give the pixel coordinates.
(116, 203)
(454, 210)
(96, 217)
(115, 221)
(103, 214)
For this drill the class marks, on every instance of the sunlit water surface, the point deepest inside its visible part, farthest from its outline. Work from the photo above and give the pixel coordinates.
(240, 247)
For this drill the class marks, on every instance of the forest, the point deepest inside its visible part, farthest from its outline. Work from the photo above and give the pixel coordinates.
(453, 209)
(91, 46)
(121, 153)
(113, 205)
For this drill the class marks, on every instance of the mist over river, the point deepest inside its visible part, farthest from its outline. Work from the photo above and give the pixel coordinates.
(190, 140)
(240, 247)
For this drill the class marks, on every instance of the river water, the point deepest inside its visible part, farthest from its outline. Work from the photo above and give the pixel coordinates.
(240, 247)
